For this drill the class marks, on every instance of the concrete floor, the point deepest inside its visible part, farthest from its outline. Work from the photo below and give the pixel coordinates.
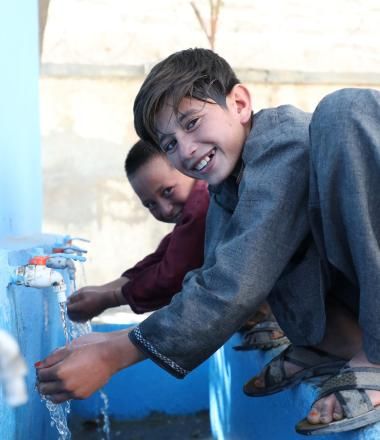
(155, 427)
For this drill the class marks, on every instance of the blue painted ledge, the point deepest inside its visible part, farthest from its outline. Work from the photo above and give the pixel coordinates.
(144, 388)
(235, 416)
(32, 317)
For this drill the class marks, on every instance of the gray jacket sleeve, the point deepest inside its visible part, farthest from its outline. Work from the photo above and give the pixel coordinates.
(253, 230)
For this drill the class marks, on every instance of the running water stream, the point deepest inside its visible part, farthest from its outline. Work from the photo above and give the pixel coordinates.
(64, 319)
(80, 329)
(59, 412)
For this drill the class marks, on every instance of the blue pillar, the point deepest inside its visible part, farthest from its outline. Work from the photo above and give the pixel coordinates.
(20, 158)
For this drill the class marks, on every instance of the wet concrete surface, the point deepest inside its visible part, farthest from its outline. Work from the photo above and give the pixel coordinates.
(155, 427)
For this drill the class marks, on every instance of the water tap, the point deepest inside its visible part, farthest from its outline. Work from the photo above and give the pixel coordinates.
(64, 261)
(36, 274)
(12, 370)
(69, 240)
(67, 246)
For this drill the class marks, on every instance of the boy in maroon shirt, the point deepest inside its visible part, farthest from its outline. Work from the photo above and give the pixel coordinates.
(171, 197)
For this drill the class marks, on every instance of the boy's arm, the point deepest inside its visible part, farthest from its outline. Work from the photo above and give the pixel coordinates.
(64, 374)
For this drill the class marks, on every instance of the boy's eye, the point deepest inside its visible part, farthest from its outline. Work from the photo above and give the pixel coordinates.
(167, 192)
(169, 147)
(191, 124)
(149, 205)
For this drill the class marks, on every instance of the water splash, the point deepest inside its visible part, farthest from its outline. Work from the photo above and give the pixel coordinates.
(104, 410)
(58, 415)
(59, 412)
(84, 275)
(63, 311)
(78, 329)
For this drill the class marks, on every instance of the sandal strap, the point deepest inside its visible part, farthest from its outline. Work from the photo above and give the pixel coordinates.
(354, 402)
(365, 378)
(275, 372)
(262, 327)
(306, 357)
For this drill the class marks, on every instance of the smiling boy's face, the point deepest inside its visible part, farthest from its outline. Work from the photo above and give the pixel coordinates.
(162, 189)
(203, 139)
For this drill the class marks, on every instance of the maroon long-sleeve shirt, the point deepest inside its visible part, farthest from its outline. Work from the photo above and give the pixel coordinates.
(158, 277)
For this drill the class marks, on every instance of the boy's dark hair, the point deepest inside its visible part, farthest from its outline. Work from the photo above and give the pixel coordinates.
(140, 154)
(196, 73)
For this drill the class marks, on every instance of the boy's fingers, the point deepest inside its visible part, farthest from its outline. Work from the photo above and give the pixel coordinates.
(55, 357)
(47, 375)
(50, 388)
(74, 307)
(74, 298)
(77, 313)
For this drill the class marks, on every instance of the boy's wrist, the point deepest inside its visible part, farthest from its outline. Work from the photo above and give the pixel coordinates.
(118, 297)
(113, 292)
(121, 352)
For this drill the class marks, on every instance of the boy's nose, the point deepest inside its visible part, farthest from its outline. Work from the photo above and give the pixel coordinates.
(166, 209)
(186, 147)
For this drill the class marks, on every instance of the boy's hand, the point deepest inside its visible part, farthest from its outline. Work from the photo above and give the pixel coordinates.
(78, 370)
(90, 301)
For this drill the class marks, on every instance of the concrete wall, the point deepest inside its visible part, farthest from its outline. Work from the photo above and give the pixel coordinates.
(94, 58)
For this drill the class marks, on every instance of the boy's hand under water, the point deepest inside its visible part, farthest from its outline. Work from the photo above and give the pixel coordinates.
(78, 370)
(90, 301)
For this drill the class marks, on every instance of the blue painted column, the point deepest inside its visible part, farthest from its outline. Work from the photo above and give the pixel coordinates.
(20, 158)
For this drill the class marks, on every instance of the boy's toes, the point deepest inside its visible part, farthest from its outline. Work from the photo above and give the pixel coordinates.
(259, 382)
(314, 414)
(337, 412)
(277, 334)
(325, 411)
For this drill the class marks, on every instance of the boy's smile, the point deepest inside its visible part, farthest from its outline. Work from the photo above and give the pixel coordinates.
(203, 139)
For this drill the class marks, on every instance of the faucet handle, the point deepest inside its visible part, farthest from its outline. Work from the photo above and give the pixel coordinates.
(69, 240)
(68, 256)
(38, 260)
(69, 250)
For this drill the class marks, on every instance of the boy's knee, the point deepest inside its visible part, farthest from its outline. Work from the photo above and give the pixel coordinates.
(345, 120)
(338, 108)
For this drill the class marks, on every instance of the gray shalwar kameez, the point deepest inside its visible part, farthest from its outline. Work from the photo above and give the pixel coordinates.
(306, 208)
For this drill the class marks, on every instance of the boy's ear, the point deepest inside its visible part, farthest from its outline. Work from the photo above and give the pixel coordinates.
(241, 99)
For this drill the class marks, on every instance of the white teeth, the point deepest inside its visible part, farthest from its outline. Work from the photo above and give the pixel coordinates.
(204, 162)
